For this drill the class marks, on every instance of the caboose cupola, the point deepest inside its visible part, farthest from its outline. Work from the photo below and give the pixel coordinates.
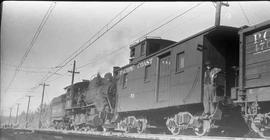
(147, 46)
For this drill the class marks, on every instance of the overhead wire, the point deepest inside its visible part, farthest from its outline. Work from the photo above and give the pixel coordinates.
(27, 67)
(40, 27)
(244, 13)
(95, 34)
(61, 65)
(89, 42)
(98, 59)
(165, 23)
(31, 45)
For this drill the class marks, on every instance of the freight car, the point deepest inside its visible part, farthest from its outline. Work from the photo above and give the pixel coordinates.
(253, 91)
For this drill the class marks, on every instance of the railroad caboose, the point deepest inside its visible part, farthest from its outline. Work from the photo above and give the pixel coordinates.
(163, 83)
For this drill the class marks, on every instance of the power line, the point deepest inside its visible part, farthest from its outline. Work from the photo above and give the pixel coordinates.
(181, 14)
(108, 28)
(61, 65)
(32, 71)
(26, 67)
(167, 22)
(44, 20)
(97, 59)
(106, 25)
(90, 42)
(244, 13)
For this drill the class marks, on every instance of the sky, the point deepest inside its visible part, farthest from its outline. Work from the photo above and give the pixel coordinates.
(71, 24)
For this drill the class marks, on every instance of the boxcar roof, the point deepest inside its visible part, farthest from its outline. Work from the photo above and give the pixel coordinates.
(255, 27)
(208, 30)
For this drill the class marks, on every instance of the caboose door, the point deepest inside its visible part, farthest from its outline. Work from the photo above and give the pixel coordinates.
(163, 85)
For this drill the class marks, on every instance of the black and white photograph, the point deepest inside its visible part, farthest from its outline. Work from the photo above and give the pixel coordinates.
(135, 70)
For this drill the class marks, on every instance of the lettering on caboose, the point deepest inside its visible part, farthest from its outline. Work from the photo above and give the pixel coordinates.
(137, 66)
(262, 41)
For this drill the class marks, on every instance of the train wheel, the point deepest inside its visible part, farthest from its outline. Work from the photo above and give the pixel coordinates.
(127, 129)
(204, 128)
(260, 131)
(172, 126)
(141, 125)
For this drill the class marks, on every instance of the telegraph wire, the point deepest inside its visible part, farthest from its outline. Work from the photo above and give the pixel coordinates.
(61, 65)
(90, 43)
(167, 22)
(244, 13)
(106, 25)
(103, 33)
(93, 61)
(174, 27)
(36, 35)
(32, 71)
(44, 20)
(26, 67)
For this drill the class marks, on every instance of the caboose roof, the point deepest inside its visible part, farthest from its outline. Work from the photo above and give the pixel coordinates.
(147, 39)
(211, 30)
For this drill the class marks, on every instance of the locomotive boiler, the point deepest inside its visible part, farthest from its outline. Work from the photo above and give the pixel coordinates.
(86, 104)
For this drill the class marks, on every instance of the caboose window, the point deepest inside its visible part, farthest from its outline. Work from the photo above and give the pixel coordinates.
(125, 80)
(147, 73)
(132, 52)
(142, 49)
(180, 62)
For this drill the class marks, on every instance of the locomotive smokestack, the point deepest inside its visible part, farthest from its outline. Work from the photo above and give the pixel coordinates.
(115, 72)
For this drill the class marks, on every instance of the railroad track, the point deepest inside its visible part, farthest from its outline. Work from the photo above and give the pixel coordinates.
(32, 134)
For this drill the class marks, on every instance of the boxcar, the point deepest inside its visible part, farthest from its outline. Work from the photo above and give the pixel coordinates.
(253, 93)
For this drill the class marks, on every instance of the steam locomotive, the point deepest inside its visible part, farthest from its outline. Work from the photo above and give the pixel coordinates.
(162, 87)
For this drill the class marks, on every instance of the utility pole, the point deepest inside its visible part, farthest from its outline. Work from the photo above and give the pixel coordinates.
(41, 105)
(73, 72)
(26, 119)
(17, 113)
(9, 120)
(218, 11)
